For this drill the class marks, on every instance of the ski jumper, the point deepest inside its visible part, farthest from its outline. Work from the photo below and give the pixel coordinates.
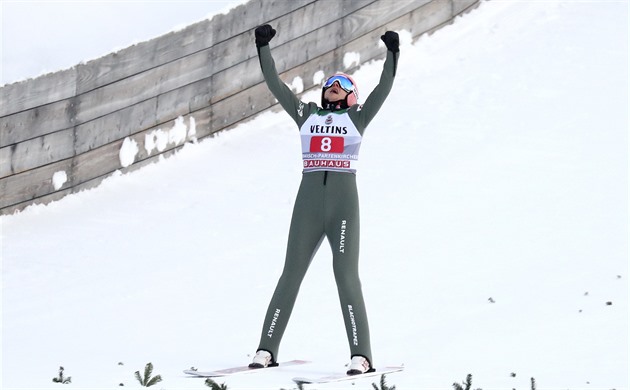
(327, 204)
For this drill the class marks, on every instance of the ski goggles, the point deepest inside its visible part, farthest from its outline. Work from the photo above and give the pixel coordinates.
(344, 82)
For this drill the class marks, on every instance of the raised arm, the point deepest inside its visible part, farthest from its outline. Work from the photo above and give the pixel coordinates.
(363, 116)
(287, 99)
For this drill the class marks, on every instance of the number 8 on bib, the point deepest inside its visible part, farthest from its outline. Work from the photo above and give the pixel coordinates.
(327, 144)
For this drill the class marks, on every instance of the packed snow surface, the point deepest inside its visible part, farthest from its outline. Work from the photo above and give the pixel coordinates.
(494, 191)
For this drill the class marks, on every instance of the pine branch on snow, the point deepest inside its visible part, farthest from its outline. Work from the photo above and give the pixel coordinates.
(383, 385)
(147, 381)
(61, 378)
(215, 386)
(467, 383)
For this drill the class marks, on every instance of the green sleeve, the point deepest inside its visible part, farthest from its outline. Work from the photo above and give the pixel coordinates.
(297, 109)
(363, 115)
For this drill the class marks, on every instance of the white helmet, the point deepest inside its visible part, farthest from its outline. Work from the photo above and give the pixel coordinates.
(346, 82)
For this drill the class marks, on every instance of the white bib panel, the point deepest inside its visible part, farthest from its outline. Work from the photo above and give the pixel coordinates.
(330, 143)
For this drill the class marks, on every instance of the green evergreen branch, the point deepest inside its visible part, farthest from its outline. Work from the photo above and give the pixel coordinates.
(147, 381)
(61, 378)
(467, 384)
(383, 385)
(215, 386)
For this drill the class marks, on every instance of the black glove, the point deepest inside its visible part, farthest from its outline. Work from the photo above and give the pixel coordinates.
(391, 41)
(264, 34)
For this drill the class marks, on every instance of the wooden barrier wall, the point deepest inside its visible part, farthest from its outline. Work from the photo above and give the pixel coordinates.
(66, 131)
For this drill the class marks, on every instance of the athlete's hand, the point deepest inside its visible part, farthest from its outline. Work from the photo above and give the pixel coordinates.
(264, 34)
(391, 41)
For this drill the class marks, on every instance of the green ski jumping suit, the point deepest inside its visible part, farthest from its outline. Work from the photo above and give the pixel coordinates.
(327, 204)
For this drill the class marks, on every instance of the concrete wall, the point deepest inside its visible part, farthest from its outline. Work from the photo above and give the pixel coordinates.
(67, 131)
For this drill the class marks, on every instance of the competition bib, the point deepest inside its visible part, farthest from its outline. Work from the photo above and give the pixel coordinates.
(330, 142)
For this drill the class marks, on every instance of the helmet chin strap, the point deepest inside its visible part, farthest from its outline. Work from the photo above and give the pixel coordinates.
(337, 105)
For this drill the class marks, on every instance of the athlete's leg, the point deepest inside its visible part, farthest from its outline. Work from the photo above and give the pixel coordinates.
(343, 231)
(305, 235)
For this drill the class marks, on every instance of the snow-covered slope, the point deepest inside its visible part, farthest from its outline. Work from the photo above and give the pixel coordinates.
(494, 193)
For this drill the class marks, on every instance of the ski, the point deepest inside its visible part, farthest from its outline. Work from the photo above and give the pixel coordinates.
(338, 377)
(240, 369)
